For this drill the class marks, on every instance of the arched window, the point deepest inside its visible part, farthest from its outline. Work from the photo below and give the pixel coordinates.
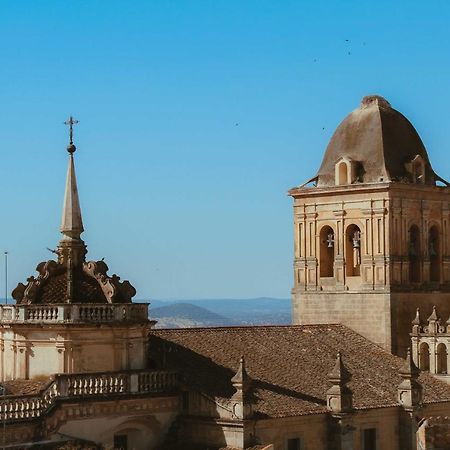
(353, 251)
(343, 173)
(441, 359)
(414, 254)
(434, 254)
(424, 356)
(326, 256)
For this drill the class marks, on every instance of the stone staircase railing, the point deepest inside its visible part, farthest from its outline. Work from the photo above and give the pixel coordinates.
(70, 386)
(72, 313)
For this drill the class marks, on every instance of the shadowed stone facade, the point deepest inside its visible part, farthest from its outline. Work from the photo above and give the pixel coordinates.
(372, 230)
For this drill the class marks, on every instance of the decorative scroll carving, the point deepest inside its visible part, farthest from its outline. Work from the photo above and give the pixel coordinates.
(50, 286)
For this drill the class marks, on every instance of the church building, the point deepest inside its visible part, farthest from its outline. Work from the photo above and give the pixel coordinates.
(82, 367)
(372, 230)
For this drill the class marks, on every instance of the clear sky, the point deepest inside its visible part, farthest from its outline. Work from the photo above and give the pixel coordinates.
(196, 117)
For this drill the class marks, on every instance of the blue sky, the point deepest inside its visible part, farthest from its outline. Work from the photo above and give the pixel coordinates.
(196, 117)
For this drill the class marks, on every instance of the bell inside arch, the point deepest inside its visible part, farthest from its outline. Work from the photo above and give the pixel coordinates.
(356, 239)
(330, 240)
(432, 248)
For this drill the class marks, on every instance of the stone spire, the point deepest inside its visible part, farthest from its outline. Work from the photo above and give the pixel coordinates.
(434, 322)
(242, 407)
(417, 323)
(71, 245)
(71, 221)
(72, 279)
(410, 389)
(339, 396)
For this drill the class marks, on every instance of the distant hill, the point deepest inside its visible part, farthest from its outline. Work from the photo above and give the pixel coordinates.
(180, 315)
(221, 312)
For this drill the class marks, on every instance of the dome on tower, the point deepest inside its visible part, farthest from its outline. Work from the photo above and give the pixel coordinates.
(377, 144)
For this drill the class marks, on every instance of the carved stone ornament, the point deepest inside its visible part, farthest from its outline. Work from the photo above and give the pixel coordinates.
(91, 283)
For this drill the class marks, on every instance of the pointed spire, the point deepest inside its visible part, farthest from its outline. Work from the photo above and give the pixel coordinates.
(409, 368)
(242, 408)
(417, 320)
(339, 375)
(433, 316)
(434, 322)
(241, 381)
(409, 390)
(71, 220)
(339, 396)
(417, 323)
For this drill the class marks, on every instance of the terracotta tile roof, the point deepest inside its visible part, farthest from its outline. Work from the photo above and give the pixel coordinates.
(86, 288)
(288, 365)
(25, 387)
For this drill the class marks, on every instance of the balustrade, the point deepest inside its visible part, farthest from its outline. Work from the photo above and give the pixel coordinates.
(13, 408)
(72, 313)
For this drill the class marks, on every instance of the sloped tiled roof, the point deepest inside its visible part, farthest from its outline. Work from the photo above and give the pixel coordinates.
(288, 365)
(25, 387)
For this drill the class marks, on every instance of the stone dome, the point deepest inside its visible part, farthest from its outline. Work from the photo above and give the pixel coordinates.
(380, 142)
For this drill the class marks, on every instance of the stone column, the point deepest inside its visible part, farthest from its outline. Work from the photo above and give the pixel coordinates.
(367, 258)
(311, 258)
(424, 246)
(339, 250)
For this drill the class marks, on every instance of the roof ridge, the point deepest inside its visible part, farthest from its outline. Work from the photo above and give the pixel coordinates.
(246, 327)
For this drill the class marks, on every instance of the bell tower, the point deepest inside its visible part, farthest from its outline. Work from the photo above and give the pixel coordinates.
(371, 230)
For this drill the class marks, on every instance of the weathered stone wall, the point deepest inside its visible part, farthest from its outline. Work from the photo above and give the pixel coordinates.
(31, 350)
(377, 299)
(369, 314)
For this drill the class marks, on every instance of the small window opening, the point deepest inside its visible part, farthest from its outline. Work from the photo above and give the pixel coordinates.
(353, 251)
(441, 351)
(343, 173)
(370, 439)
(433, 252)
(326, 257)
(294, 444)
(414, 254)
(424, 357)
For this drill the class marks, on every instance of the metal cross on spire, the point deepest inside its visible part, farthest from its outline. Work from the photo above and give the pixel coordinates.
(71, 122)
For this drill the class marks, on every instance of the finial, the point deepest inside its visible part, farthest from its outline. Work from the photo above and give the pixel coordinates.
(409, 369)
(339, 374)
(410, 390)
(416, 320)
(434, 315)
(339, 396)
(240, 381)
(71, 122)
(71, 221)
(242, 407)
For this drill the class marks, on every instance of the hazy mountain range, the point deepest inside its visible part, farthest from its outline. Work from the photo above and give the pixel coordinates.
(220, 312)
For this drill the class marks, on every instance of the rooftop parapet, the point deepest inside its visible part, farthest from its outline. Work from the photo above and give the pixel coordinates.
(74, 313)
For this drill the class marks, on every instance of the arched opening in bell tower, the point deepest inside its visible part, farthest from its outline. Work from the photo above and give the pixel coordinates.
(414, 254)
(353, 251)
(326, 256)
(434, 254)
(424, 357)
(441, 359)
